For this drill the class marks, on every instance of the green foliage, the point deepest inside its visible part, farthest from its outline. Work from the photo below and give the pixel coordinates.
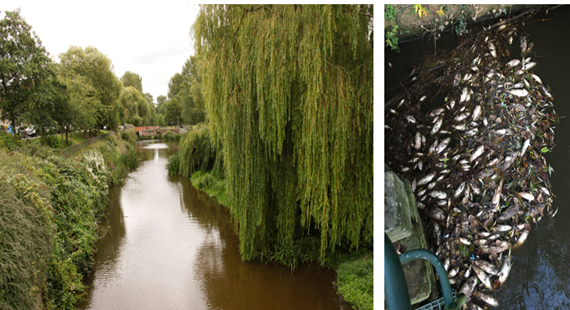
(288, 93)
(212, 185)
(130, 136)
(54, 142)
(355, 282)
(168, 135)
(9, 142)
(24, 65)
(173, 112)
(131, 79)
(173, 164)
(390, 13)
(197, 153)
(392, 38)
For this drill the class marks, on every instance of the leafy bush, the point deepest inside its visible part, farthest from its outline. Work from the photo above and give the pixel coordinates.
(54, 142)
(355, 282)
(168, 135)
(130, 136)
(173, 164)
(9, 142)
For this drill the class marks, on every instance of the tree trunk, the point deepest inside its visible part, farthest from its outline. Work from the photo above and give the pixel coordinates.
(66, 135)
(85, 134)
(14, 126)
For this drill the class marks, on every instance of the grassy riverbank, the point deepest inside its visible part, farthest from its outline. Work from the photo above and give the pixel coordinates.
(50, 210)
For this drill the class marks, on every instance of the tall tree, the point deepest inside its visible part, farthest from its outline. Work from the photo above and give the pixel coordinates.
(132, 79)
(161, 107)
(24, 65)
(173, 112)
(97, 69)
(175, 85)
(288, 92)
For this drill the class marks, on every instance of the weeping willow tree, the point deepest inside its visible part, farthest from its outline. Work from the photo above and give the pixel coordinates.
(289, 93)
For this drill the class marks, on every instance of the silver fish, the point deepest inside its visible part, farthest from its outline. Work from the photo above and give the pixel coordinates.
(423, 98)
(536, 78)
(461, 117)
(502, 228)
(485, 279)
(464, 94)
(453, 272)
(431, 185)
(546, 92)
(471, 132)
(522, 239)
(441, 147)
(401, 102)
(509, 160)
(438, 194)
(410, 119)
(436, 214)
(486, 266)
(518, 92)
(497, 196)
(464, 241)
(437, 125)
(526, 144)
(441, 177)
(529, 65)
(527, 196)
(504, 132)
(459, 190)
(505, 269)
(456, 79)
(491, 301)
(461, 127)
(422, 192)
(492, 49)
(514, 62)
(417, 141)
(436, 112)
(468, 287)
(476, 113)
(523, 43)
(477, 153)
(426, 179)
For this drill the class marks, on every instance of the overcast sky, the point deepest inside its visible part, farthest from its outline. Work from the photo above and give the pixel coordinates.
(150, 38)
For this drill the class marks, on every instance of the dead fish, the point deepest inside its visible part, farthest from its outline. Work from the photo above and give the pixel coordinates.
(526, 144)
(536, 78)
(521, 239)
(504, 132)
(467, 76)
(431, 185)
(483, 277)
(401, 103)
(452, 104)
(527, 196)
(510, 40)
(438, 194)
(476, 61)
(417, 141)
(468, 287)
(464, 94)
(492, 49)
(441, 147)
(523, 43)
(422, 192)
(436, 112)
(509, 213)
(410, 119)
(505, 270)
(476, 113)
(471, 132)
(509, 160)
(513, 63)
(497, 196)
(459, 190)
(461, 127)
(491, 301)
(426, 179)
(518, 92)
(456, 79)
(546, 92)
(493, 162)
(477, 153)
(423, 98)
(461, 117)
(486, 266)
(528, 66)
(502, 228)
(453, 272)
(436, 214)
(437, 125)
(464, 241)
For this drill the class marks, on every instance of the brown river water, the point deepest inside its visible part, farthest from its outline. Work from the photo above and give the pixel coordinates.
(170, 246)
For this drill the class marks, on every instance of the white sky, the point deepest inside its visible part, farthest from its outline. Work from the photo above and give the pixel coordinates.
(150, 38)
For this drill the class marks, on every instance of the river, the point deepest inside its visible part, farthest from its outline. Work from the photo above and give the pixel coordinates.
(540, 275)
(170, 246)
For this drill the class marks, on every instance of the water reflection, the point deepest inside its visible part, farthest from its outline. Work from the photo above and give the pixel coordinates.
(170, 246)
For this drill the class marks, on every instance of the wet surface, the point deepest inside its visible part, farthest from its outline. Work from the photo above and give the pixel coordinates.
(169, 246)
(540, 275)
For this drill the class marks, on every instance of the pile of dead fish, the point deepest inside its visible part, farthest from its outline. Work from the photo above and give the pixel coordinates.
(476, 163)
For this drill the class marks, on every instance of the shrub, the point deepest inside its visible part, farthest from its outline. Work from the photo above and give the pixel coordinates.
(54, 142)
(168, 135)
(355, 282)
(173, 164)
(9, 142)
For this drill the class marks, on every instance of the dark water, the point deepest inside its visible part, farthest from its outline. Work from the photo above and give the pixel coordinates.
(169, 246)
(540, 276)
